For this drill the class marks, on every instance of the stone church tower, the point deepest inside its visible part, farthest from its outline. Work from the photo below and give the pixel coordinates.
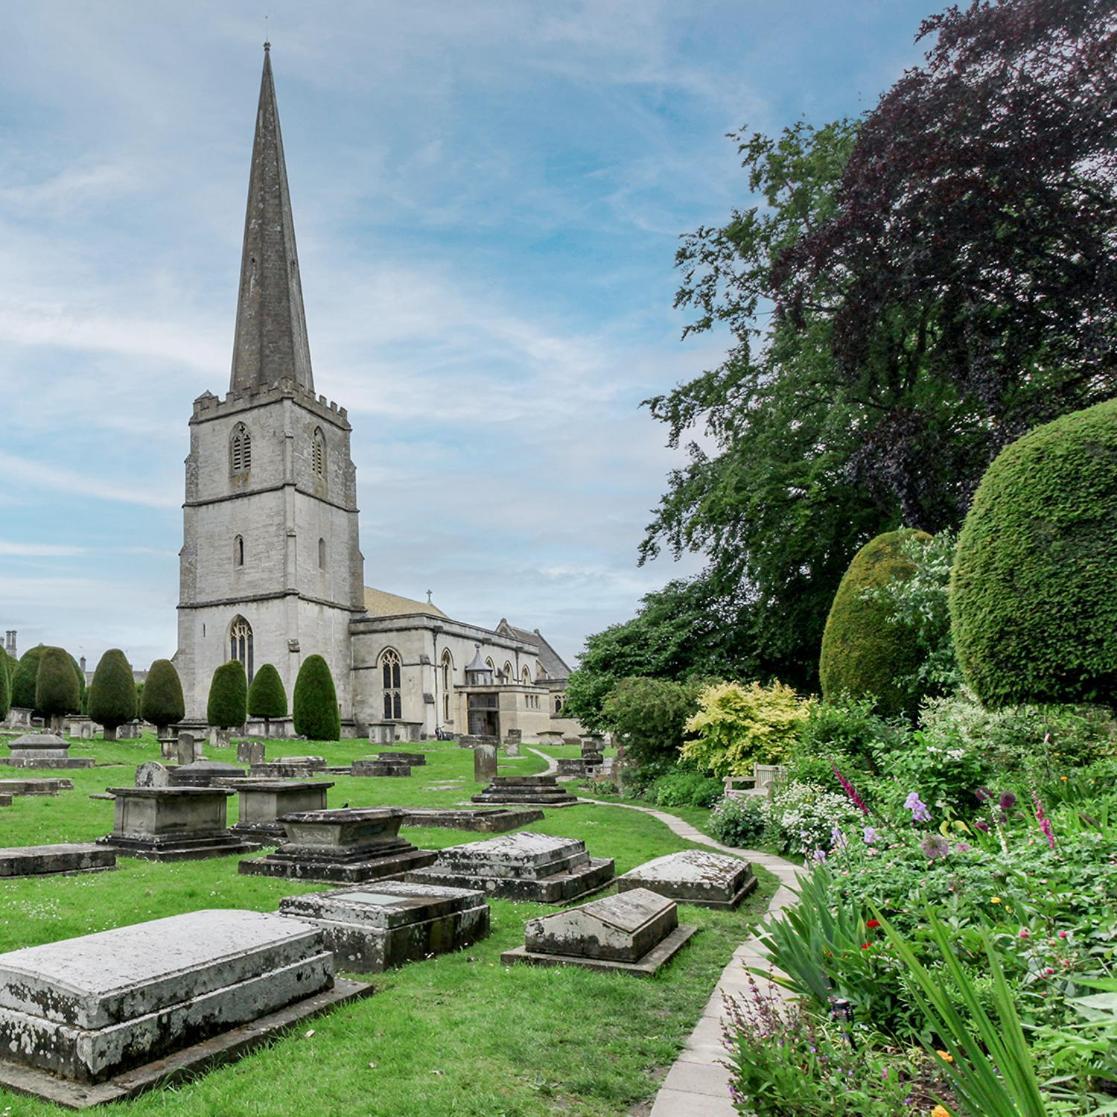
(270, 568)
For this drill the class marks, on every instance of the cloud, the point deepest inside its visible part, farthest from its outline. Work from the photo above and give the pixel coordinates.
(37, 473)
(9, 549)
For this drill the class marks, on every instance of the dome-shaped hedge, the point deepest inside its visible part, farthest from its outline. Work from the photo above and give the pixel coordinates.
(266, 697)
(162, 703)
(1034, 587)
(112, 694)
(228, 696)
(315, 702)
(56, 686)
(864, 653)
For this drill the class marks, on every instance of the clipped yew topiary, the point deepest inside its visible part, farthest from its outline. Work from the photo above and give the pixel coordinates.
(112, 694)
(864, 652)
(315, 704)
(266, 697)
(162, 702)
(26, 676)
(56, 685)
(228, 696)
(5, 686)
(1033, 592)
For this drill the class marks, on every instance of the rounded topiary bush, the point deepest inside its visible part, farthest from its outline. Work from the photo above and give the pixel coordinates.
(25, 677)
(162, 702)
(1033, 592)
(56, 686)
(315, 705)
(266, 697)
(112, 694)
(228, 696)
(864, 652)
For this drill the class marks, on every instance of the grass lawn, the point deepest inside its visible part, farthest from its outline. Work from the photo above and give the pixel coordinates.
(459, 1034)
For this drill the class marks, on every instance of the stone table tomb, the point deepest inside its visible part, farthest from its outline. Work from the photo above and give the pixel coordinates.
(101, 1017)
(415, 759)
(288, 767)
(35, 787)
(43, 750)
(368, 766)
(488, 820)
(349, 845)
(520, 866)
(526, 790)
(261, 803)
(633, 932)
(172, 823)
(205, 773)
(694, 876)
(392, 922)
(34, 861)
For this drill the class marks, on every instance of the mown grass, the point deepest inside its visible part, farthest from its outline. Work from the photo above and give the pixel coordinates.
(459, 1034)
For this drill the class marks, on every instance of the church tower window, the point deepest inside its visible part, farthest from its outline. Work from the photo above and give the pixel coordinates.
(238, 551)
(321, 554)
(240, 644)
(318, 453)
(240, 450)
(390, 669)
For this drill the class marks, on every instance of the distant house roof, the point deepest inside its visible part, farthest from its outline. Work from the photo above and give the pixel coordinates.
(381, 603)
(554, 666)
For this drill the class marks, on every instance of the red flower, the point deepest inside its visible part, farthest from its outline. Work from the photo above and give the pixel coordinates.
(873, 924)
(866, 946)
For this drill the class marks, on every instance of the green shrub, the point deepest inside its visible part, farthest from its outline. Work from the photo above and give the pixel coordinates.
(266, 697)
(227, 707)
(56, 688)
(163, 703)
(5, 687)
(647, 717)
(25, 677)
(865, 652)
(682, 788)
(738, 726)
(112, 694)
(740, 821)
(1033, 605)
(316, 713)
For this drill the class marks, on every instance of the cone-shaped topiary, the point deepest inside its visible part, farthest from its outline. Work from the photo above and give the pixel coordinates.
(266, 697)
(26, 676)
(5, 686)
(56, 685)
(864, 653)
(316, 715)
(1033, 592)
(228, 696)
(112, 694)
(162, 703)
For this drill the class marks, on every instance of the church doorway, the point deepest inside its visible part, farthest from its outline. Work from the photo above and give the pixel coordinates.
(484, 715)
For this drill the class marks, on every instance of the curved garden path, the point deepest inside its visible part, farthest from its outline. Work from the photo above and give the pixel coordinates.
(697, 1085)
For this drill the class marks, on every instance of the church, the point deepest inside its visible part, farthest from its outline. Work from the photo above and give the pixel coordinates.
(271, 569)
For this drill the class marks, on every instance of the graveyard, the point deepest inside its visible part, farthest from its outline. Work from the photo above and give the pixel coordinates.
(461, 1032)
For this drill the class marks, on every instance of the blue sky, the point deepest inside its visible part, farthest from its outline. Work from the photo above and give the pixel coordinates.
(487, 198)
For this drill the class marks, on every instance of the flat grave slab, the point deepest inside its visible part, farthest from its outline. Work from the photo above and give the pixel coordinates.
(490, 820)
(50, 786)
(633, 932)
(694, 876)
(30, 861)
(416, 759)
(204, 773)
(261, 803)
(526, 790)
(104, 1016)
(347, 845)
(368, 766)
(43, 750)
(392, 922)
(520, 866)
(288, 767)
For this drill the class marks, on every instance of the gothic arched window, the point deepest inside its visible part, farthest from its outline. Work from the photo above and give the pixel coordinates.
(447, 672)
(390, 670)
(238, 551)
(318, 453)
(240, 450)
(509, 676)
(558, 703)
(240, 643)
(321, 554)
(526, 677)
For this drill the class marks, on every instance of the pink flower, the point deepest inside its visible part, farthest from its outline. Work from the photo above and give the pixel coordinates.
(1025, 933)
(851, 791)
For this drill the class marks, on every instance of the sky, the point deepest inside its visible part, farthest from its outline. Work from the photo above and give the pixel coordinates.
(488, 195)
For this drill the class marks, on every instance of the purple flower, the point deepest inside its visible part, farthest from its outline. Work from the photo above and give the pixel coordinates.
(870, 835)
(819, 855)
(1044, 822)
(935, 846)
(982, 826)
(837, 838)
(851, 792)
(983, 794)
(919, 811)
(1007, 801)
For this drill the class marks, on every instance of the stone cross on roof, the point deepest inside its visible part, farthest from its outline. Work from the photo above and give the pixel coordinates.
(270, 342)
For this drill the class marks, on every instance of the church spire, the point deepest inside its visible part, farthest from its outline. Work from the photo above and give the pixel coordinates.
(270, 342)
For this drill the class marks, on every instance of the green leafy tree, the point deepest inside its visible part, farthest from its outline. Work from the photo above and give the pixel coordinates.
(163, 703)
(1033, 597)
(648, 716)
(112, 694)
(266, 697)
(5, 687)
(228, 696)
(56, 687)
(26, 676)
(315, 704)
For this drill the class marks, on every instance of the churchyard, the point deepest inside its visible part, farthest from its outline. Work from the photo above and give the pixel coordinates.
(460, 1032)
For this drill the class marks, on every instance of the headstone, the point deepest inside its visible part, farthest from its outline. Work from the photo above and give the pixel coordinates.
(187, 750)
(351, 845)
(513, 736)
(537, 790)
(490, 820)
(43, 750)
(32, 861)
(130, 731)
(520, 866)
(19, 716)
(172, 823)
(694, 876)
(101, 1017)
(205, 773)
(484, 762)
(392, 922)
(634, 932)
(372, 767)
(512, 748)
(5, 800)
(35, 787)
(152, 774)
(261, 804)
(250, 752)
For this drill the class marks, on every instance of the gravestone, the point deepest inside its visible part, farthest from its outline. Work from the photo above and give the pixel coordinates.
(288, 767)
(512, 748)
(219, 737)
(415, 759)
(490, 820)
(520, 866)
(101, 1017)
(205, 773)
(261, 804)
(187, 749)
(43, 750)
(370, 767)
(35, 786)
(633, 932)
(152, 774)
(351, 845)
(5, 800)
(172, 823)
(694, 876)
(535, 790)
(33, 861)
(168, 747)
(250, 752)
(484, 762)
(392, 922)
(130, 731)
